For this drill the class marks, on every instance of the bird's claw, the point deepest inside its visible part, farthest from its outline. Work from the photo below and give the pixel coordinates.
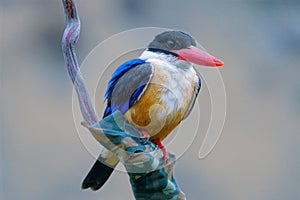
(163, 148)
(145, 134)
(165, 153)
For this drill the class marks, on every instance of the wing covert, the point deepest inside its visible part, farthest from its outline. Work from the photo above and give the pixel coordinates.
(128, 88)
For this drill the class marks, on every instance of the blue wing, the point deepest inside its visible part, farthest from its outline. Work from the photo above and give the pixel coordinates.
(127, 85)
(119, 72)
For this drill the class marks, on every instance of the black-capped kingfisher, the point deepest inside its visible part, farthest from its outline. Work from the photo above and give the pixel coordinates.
(155, 92)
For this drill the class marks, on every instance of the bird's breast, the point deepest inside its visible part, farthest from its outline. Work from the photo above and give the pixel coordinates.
(165, 100)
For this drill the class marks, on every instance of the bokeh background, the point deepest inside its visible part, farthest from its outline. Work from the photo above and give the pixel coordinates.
(257, 156)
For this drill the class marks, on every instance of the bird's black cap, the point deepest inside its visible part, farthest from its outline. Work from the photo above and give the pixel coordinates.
(171, 40)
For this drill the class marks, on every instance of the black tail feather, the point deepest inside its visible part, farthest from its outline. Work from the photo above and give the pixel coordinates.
(97, 176)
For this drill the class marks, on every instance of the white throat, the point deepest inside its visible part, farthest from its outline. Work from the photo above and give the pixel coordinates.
(167, 58)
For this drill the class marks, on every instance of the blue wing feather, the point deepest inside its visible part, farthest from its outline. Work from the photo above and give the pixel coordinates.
(136, 94)
(120, 71)
(107, 111)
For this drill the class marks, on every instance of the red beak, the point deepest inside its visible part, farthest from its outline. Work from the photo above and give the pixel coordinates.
(197, 56)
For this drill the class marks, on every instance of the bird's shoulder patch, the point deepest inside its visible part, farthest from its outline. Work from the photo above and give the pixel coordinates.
(127, 85)
(119, 72)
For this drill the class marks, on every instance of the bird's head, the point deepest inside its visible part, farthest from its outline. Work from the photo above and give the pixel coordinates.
(183, 47)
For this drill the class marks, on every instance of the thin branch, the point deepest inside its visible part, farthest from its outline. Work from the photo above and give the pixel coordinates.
(69, 40)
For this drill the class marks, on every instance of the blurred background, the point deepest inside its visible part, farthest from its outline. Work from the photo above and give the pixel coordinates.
(257, 156)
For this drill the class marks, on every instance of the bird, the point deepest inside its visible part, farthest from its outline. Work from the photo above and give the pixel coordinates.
(154, 92)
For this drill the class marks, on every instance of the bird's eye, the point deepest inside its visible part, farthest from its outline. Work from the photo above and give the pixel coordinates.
(171, 44)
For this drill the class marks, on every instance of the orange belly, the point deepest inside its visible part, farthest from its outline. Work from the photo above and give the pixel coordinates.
(160, 110)
(151, 115)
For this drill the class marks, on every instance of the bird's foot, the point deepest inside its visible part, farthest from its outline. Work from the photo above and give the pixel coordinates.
(163, 148)
(145, 134)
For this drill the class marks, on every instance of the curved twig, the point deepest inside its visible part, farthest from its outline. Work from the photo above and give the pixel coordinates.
(69, 40)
